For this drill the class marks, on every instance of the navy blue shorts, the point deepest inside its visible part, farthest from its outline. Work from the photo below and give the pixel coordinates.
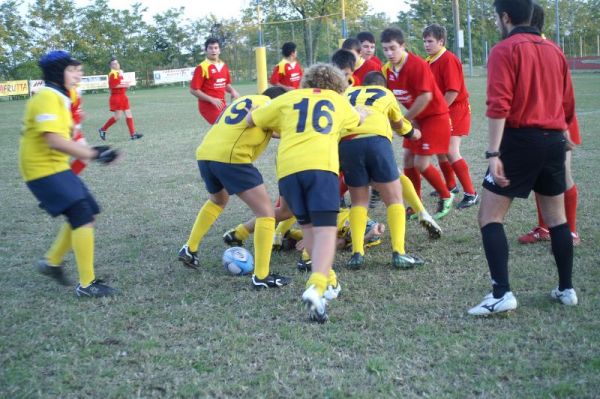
(368, 159)
(533, 159)
(59, 192)
(313, 196)
(235, 178)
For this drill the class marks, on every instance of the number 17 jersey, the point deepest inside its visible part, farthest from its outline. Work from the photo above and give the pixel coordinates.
(309, 122)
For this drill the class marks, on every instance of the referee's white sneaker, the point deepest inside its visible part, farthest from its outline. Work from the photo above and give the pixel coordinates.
(491, 305)
(567, 296)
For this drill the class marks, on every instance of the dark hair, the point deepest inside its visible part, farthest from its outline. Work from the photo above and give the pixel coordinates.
(344, 59)
(274, 91)
(519, 11)
(351, 44)
(435, 30)
(537, 17)
(392, 35)
(211, 40)
(374, 78)
(288, 48)
(365, 37)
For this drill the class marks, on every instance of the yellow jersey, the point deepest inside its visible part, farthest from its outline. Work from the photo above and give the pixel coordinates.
(310, 122)
(230, 140)
(383, 108)
(47, 111)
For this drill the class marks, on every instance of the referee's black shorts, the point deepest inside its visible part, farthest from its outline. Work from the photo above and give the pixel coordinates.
(534, 159)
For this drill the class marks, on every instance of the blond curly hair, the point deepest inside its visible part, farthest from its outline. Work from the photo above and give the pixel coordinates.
(324, 76)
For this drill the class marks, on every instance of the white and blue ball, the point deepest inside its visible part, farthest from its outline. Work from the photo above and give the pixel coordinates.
(238, 261)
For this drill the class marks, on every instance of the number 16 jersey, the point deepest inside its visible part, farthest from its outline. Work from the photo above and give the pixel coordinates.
(309, 122)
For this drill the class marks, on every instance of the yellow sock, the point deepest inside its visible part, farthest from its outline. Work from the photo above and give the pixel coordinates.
(204, 221)
(60, 247)
(263, 245)
(296, 234)
(319, 280)
(396, 216)
(305, 255)
(358, 224)
(332, 279)
(82, 240)
(241, 232)
(285, 225)
(410, 195)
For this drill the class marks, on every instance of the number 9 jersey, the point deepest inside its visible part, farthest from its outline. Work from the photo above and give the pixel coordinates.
(310, 122)
(230, 140)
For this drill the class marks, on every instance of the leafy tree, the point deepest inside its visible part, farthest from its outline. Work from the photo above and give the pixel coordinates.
(14, 39)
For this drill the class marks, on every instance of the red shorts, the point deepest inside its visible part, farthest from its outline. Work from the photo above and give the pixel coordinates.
(118, 102)
(460, 115)
(209, 111)
(435, 136)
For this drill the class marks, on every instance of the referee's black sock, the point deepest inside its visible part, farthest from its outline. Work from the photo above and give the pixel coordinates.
(562, 248)
(495, 246)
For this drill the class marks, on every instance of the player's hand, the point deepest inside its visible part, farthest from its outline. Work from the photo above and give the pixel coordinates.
(217, 102)
(363, 112)
(569, 145)
(106, 155)
(497, 171)
(416, 135)
(234, 94)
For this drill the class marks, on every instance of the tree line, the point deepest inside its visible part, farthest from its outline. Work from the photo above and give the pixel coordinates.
(96, 32)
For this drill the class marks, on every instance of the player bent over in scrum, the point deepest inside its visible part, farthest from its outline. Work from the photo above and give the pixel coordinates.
(366, 156)
(310, 121)
(225, 159)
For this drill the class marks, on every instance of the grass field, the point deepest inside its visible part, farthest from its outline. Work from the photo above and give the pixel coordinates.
(174, 332)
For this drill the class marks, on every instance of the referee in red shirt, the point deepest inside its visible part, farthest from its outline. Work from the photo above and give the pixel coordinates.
(529, 104)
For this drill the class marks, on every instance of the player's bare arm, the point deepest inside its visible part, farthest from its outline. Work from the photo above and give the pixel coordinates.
(496, 130)
(73, 148)
(450, 96)
(419, 105)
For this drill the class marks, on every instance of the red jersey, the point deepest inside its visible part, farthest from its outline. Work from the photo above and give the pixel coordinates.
(287, 74)
(414, 79)
(363, 67)
(75, 95)
(529, 82)
(115, 78)
(211, 78)
(448, 73)
(376, 61)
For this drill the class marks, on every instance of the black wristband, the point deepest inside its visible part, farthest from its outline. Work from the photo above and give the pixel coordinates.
(492, 154)
(410, 134)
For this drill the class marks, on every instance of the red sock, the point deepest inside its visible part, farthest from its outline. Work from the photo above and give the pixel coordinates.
(571, 208)
(130, 126)
(461, 168)
(111, 121)
(415, 178)
(541, 222)
(77, 166)
(434, 178)
(448, 173)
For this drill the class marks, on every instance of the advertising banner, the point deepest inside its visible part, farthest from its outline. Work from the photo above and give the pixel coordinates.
(14, 88)
(173, 75)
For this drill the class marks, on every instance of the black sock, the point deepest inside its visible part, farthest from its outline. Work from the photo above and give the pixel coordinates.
(495, 246)
(562, 248)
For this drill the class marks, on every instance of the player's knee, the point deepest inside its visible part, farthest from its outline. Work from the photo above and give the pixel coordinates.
(80, 214)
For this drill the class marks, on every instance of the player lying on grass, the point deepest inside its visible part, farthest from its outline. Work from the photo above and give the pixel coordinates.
(44, 151)
(225, 159)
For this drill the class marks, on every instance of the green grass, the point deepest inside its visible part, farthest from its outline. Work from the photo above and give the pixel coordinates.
(174, 332)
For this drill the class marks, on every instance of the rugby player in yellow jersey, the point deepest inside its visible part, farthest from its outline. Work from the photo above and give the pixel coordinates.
(44, 151)
(367, 157)
(310, 121)
(225, 159)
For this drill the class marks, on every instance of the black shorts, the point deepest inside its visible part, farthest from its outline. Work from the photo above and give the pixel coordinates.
(368, 159)
(235, 178)
(534, 159)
